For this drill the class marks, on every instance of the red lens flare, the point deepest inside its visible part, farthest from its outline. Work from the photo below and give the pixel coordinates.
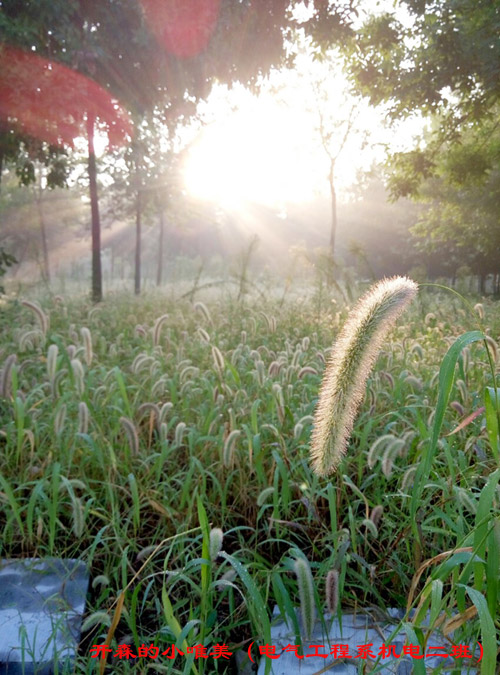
(51, 102)
(183, 27)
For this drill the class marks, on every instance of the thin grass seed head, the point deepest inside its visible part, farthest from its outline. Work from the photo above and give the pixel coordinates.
(219, 363)
(458, 407)
(492, 347)
(229, 447)
(60, 419)
(157, 328)
(306, 594)
(83, 418)
(87, 345)
(153, 411)
(306, 370)
(133, 437)
(202, 309)
(5, 376)
(376, 514)
(203, 335)
(78, 374)
(43, 319)
(350, 363)
(78, 516)
(52, 354)
(332, 591)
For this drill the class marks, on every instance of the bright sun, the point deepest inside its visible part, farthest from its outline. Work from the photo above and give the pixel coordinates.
(257, 154)
(269, 149)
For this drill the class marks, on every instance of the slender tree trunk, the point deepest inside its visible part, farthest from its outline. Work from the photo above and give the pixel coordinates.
(43, 231)
(45, 249)
(94, 208)
(482, 283)
(138, 223)
(333, 196)
(159, 271)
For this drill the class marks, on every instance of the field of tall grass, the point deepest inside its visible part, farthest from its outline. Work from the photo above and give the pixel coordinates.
(166, 443)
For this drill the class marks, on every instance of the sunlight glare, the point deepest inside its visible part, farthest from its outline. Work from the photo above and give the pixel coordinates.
(256, 154)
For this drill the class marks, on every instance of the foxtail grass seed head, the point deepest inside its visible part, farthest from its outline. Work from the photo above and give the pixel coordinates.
(78, 517)
(430, 318)
(414, 382)
(5, 376)
(215, 544)
(52, 353)
(219, 363)
(306, 370)
(132, 435)
(153, 410)
(202, 309)
(78, 374)
(260, 372)
(157, 328)
(229, 445)
(332, 591)
(376, 515)
(479, 308)
(43, 319)
(306, 594)
(87, 345)
(350, 363)
(492, 347)
(83, 418)
(458, 407)
(59, 419)
(203, 335)
(179, 433)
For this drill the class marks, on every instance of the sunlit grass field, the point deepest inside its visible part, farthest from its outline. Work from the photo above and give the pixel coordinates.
(167, 445)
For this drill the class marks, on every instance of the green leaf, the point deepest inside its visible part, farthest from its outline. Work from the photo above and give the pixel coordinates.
(415, 637)
(482, 524)
(446, 377)
(491, 403)
(488, 632)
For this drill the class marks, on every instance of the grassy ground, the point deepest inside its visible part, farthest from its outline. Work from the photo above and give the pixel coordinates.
(166, 444)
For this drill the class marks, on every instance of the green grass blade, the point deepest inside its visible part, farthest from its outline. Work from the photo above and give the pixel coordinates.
(446, 377)
(491, 398)
(488, 632)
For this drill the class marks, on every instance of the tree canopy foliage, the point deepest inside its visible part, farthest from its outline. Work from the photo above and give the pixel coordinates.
(432, 57)
(440, 59)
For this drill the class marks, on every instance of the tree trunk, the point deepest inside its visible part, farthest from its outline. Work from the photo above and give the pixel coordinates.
(159, 271)
(482, 283)
(333, 195)
(45, 249)
(43, 232)
(138, 218)
(94, 207)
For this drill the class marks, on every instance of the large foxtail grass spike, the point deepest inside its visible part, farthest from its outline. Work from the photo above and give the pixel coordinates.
(350, 363)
